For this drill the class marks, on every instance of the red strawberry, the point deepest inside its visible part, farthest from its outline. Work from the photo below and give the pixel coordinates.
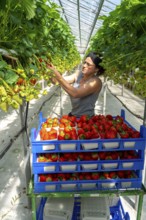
(84, 118)
(119, 127)
(108, 157)
(81, 156)
(124, 134)
(62, 159)
(109, 117)
(114, 155)
(73, 177)
(102, 155)
(128, 174)
(120, 174)
(135, 134)
(61, 176)
(124, 126)
(112, 128)
(87, 176)
(80, 131)
(82, 136)
(67, 136)
(74, 137)
(42, 178)
(81, 176)
(94, 134)
(60, 137)
(54, 157)
(101, 127)
(102, 135)
(86, 127)
(112, 175)
(110, 134)
(119, 119)
(95, 176)
(72, 118)
(107, 127)
(87, 156)
(106, 175)
(79, 124)
(88, 134)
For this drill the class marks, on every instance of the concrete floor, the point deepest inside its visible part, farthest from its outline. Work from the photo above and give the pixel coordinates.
(13, 198)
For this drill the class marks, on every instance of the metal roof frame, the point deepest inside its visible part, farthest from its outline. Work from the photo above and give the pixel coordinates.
(87, 16)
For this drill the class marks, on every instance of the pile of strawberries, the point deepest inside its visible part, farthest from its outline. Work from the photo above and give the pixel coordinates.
(85, 127)
(126, 174)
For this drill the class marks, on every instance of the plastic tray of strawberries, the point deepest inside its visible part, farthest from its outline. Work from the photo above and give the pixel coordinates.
(39, 145)
(82, 145)
(63, 162)
(61, 185)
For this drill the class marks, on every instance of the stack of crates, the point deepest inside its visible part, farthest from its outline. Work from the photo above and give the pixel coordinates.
(77, 167)
(82, 209)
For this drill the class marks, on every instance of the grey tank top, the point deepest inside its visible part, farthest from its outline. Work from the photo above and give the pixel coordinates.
(84, 105)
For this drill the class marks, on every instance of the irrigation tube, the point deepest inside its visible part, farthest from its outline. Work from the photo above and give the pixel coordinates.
(4, 151)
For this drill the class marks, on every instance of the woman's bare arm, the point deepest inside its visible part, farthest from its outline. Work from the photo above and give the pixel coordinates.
(87, 88)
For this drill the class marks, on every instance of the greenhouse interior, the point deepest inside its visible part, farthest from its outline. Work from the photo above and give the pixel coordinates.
(72, 109)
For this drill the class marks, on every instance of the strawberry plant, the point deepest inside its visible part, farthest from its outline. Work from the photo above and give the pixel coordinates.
(124, 57)
(23, 63)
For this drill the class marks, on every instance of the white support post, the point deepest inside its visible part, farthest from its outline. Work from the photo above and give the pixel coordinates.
(104, 97)
(24, 135)
(61, 104)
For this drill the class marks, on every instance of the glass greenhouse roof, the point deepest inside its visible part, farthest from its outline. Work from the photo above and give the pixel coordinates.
(82, 17)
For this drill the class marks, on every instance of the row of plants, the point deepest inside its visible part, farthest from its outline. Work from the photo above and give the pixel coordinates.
(121, 41)
(32, 34)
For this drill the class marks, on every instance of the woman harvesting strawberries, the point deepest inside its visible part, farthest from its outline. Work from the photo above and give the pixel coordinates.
(83, 87)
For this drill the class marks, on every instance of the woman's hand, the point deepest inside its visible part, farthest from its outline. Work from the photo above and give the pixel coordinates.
(50, 66)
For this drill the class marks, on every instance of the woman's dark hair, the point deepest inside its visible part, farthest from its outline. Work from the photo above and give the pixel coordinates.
(96, 60)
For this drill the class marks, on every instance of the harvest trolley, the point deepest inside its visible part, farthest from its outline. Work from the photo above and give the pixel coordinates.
(86, 187)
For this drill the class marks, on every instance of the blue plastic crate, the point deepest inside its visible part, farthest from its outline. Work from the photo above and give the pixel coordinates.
(85, 185)
(40, 209)
(117, 212)
(39, 146)
(43, 146)
(79, 145)
(91, 166)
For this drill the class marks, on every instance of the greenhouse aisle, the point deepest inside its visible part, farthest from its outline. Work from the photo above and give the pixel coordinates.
(13, 198)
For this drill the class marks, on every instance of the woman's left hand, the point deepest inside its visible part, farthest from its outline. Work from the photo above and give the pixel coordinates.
(50, 66)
